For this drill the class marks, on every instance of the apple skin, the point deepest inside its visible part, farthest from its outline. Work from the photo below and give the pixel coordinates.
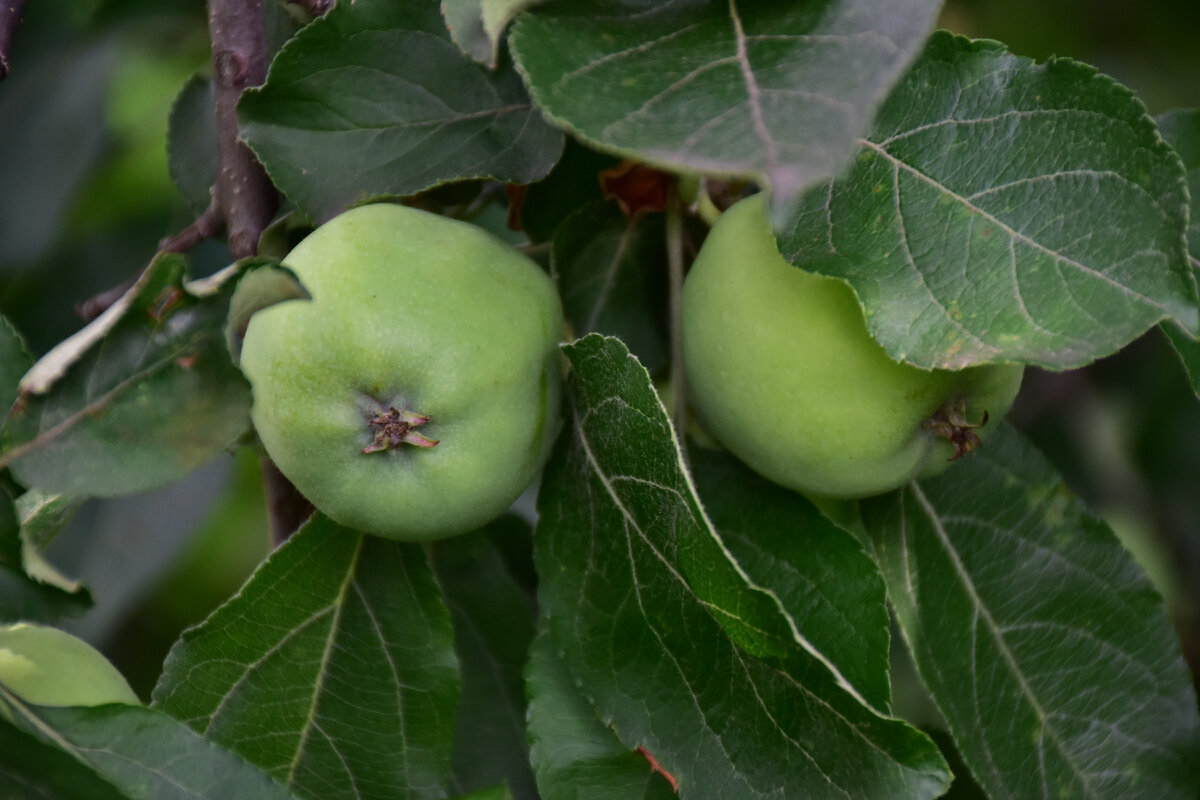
(49, 667)
(782, 370)
(424, 314)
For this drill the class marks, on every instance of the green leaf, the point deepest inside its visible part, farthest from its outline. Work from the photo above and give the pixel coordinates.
(264, 284)
(1040, 640)
(333, 669)
(1187, 348)
(1002, 210)
(822, 575)
(142, 753)
(611, 272)
(760, 89)
(15, 361)
(681, 653)
(493, 627)
(374, 100)
(192, 142)
(491, 793)
(33, 770)
(574, 182)
(477, 26)
(1181, 129)
(138, 398)
(575, 755)
(25, 592)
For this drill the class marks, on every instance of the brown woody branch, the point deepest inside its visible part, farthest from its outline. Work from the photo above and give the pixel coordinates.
(10, 19)
(239, 52)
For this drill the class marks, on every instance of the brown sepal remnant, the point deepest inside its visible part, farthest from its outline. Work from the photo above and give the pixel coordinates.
(394, 428)
(636, 187)
(950, 423)
(654, 765)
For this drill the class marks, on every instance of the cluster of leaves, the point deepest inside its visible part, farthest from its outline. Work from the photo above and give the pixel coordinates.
(674, 624)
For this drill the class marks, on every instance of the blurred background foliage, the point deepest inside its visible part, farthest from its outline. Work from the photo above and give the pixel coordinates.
(85, 196)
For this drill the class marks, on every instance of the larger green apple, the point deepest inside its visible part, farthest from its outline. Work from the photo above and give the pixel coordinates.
(784, 373)
(416, 395)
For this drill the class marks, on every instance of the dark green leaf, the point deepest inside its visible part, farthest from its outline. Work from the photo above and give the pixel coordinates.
(192, 142)
(333, 669)
(493, 627)
(821, 574)
(574, 182)
(477, 26)
(374, 100)
(575, 755)
(33, 770)
(681, 653)
(27, 591)
(491, 793)
(1182, 129)
(1188, 350)
(141, 396)
(1005, 210)
(265, 284)
(756, 88)
(611, 271)
(15, 361)
(143, 753)
(1042, 643)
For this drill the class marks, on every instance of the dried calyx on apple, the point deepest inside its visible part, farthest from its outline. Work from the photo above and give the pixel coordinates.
(416, 394)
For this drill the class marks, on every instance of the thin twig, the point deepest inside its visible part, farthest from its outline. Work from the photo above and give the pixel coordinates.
(675, 298)
(97, 304)
(10, 20)
(203, 227)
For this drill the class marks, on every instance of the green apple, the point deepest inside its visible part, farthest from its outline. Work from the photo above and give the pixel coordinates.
(783, 372)
(417, 393)
(49, 667)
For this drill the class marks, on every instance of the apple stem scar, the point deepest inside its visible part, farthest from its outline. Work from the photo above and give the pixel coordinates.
(950, 423)
(394, 428)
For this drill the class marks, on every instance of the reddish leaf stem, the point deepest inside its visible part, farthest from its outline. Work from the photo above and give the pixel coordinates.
(654, 765)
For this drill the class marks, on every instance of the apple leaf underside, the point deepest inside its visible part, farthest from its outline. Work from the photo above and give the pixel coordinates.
(122, 751)
(749, 88)
(1003, 210)
(1039, 638)
(680, 651)
(374, 100)
(135, 401)
(337, 656)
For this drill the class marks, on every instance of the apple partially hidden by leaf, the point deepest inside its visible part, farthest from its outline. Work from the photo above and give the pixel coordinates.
(783, 371)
